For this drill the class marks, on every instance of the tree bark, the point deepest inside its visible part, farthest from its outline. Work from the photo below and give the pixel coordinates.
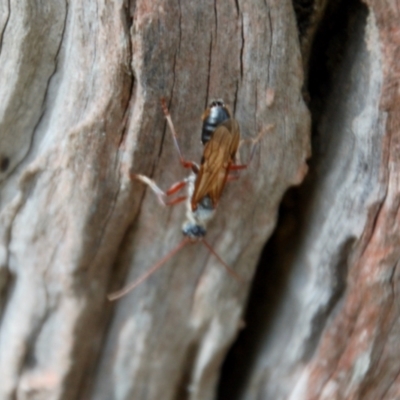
(328, 326)
(81, 84)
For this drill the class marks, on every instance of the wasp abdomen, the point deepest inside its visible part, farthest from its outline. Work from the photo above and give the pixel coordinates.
(215, 114)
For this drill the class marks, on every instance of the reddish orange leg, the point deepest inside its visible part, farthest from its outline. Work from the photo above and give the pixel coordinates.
(235, 175)
(237, 167)
(176, 187)
(161, 195)
(176, 201)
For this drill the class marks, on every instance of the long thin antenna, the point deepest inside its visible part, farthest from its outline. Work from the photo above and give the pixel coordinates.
(120, 293)
(229, 269)
(185, 163)
(171, 127)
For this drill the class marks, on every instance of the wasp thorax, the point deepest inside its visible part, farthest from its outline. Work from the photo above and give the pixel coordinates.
(215, 114)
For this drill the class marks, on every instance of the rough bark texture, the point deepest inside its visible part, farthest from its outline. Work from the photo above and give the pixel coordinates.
(80, 111)
(81, 83)
(328, 327)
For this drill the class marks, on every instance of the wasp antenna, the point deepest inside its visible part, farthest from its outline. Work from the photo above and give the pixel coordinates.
(120, 293)
(164, 106)
(172, 128)
(228, 269)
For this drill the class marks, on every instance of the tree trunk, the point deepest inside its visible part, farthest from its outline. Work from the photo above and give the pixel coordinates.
(324, 313)
(81, 84)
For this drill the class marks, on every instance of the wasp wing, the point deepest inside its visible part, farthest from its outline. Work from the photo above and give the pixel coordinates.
(219, 154)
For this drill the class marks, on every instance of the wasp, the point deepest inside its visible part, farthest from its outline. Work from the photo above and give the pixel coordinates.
(221, 139)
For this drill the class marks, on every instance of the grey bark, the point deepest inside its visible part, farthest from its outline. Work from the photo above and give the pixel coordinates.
(80, 113)
(81, 83)
(333, 330)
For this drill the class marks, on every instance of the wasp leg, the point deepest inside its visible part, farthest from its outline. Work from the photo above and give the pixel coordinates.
(176, 201)
(255, 141)
(236, 167)
(152, 185)
(161, 195)
(176, 187)
(185, 163)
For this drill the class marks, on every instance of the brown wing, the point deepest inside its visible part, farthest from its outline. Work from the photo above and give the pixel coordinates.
(219, 153)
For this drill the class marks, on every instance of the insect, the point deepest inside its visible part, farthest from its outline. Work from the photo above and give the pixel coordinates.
(205, 184)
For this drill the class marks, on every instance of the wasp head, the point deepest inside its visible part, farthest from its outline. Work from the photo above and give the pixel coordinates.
(193, 231)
